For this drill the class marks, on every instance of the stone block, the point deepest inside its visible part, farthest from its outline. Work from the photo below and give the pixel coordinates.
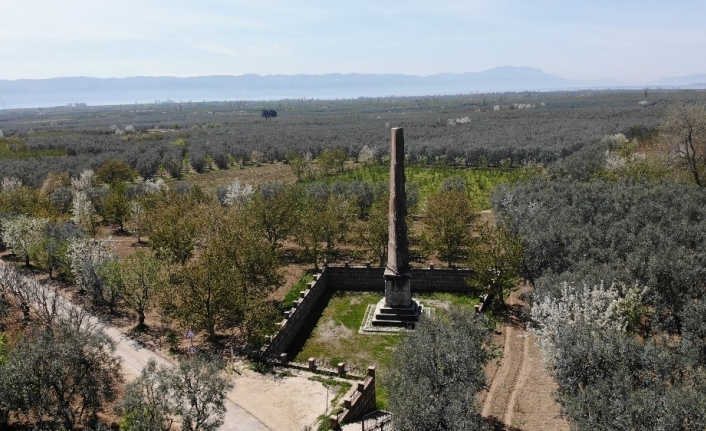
(312, 364)
(341, 368)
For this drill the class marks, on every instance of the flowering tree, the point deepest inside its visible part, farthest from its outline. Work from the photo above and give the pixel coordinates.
(21, 233)
(236, 193)
(595, 306)
(11, 183)
(87, 258)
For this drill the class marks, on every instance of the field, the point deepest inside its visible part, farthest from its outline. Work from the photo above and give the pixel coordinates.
(451, 129)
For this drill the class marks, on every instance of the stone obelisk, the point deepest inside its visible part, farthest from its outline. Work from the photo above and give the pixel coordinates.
(398, 273)
(397, 309)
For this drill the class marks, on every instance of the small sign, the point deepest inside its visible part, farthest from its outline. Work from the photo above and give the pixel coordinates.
(190, 334)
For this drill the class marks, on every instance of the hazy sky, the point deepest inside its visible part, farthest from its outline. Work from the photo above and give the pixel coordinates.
(635, 41)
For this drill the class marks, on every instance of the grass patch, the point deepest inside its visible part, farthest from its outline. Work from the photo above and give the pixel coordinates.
(293, 293)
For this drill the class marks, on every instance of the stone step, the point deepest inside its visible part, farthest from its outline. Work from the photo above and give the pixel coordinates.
(399, 311)
(396, 323)
(400, 317)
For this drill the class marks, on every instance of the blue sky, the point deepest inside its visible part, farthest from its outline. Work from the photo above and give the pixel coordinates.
(629, 40)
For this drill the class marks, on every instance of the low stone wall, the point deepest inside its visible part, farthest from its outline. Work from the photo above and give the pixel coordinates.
(295, 318)
(356, 279)
(359, 404)
(370, 279)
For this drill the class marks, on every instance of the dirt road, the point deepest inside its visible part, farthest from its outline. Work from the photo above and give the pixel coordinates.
(520, 394)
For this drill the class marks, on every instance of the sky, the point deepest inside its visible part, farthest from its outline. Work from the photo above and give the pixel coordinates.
(634, 41)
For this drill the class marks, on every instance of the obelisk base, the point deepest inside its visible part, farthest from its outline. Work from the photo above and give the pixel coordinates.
(397, 309)
(398, 291)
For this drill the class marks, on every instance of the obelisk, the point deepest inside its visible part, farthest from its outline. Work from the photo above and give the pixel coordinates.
(397, 310)
(398, 273)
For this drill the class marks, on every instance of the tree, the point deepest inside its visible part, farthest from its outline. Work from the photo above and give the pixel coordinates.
(333, 160)
(437, 372)
(300, 164)
(21, 234)
(146, 405)
(235, 193)
(84, 213)
(448, 218)
(268, 114)
(274, 211)
(374, 235)
(114, 172)
(175, 226)
(51, 253)
(138, 281)
(88, 259)
(684, 136)
(495, 257)
(116, 206)
(192, 393)
(230, 283)
(62, 375)
(322, 223)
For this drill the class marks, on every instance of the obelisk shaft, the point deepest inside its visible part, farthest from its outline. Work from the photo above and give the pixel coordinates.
(397, 271)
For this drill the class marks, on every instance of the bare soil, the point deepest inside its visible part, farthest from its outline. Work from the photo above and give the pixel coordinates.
(520, 391)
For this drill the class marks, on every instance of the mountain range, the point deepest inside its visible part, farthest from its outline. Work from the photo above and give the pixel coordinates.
(28, 93)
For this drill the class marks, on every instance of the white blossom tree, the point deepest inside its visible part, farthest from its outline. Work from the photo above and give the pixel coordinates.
(84, 181)
(21, 233)
(594, 306)
(10, 183)
(87, 258)
(237, 193)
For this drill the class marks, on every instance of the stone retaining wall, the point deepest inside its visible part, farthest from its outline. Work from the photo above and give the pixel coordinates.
(359, 404)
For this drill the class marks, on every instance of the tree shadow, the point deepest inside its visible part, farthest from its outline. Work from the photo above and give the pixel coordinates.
(495, 424)
(515, 315)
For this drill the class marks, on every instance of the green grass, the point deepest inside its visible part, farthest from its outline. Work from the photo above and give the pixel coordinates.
(479, 182)
(336, 339)
(293, 293)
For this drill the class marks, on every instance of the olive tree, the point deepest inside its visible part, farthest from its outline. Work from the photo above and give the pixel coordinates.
(192, 394)
(437, 372)
(61, 376)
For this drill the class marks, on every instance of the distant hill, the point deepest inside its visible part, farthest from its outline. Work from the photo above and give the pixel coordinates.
(691, 81)
(112, 91)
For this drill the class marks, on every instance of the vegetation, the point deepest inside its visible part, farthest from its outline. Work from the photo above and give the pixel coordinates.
(598, 200)
(438, 371)
(191, 394)
(60, 376)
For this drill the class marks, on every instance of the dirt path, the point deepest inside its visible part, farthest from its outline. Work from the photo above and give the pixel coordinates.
(520, 391)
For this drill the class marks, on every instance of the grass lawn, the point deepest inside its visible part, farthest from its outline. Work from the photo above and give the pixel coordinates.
(336, 339)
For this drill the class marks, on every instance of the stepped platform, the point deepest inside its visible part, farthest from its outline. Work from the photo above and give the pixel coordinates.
(401, 317)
